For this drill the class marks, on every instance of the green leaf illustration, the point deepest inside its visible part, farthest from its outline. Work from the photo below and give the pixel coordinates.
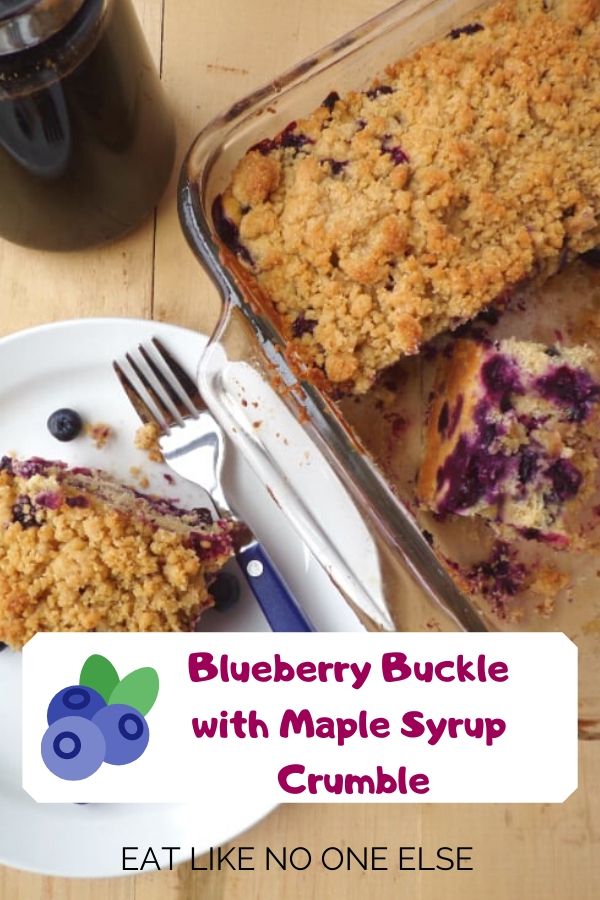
(99, 674)
(138, 689)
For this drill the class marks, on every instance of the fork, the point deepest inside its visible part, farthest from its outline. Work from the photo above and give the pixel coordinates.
(193, 445)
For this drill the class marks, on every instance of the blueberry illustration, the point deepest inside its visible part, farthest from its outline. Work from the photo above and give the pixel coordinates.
(65, 424)
(125, 731)
(73, 748)
(76, 700)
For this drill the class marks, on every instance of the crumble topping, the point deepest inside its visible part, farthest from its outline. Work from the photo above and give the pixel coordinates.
(80, 552)
(146, 438)
(390, 215)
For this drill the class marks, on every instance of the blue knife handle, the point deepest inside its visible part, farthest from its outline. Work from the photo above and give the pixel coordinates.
(280, 608)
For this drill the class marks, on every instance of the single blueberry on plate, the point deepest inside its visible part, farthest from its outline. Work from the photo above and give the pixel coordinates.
(65, 424)
(76, 700)
(73, 748)
(125, 732)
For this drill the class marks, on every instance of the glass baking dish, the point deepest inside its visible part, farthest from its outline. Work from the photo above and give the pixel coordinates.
(252, 389)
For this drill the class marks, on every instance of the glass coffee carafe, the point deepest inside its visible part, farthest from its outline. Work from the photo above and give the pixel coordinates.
(86, 138)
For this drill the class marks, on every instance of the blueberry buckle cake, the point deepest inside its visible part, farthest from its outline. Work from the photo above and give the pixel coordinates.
(390, 215)
(81, 552)
(511, 434)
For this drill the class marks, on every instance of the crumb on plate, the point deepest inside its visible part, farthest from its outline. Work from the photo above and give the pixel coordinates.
(146, 439)
(140, 476)
(100, 433)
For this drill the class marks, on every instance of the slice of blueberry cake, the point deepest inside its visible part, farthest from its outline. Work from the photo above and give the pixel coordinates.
(81, 552)
(511, 434)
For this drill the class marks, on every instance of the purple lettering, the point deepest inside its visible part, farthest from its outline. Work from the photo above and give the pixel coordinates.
(394, 667)
(284, 774)
(201, 667)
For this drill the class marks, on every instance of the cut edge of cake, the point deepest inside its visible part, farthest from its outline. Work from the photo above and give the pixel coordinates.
(511, 435)
(80, 551)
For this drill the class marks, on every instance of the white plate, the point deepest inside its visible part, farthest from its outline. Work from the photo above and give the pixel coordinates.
(69, 364)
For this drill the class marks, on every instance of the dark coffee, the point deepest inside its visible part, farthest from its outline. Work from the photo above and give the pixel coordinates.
(86, 139)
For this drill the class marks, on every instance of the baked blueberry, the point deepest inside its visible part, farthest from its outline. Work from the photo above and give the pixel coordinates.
(504, 422)
(25, 513)
(303, 325)
(65, 424)
(375, 92)
(330, 100)
(472, 28)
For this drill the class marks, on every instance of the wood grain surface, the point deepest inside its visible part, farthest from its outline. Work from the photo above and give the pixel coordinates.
(210, 54)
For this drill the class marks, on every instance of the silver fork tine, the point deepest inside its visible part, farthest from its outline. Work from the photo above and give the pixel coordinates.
(168, 418)
(181, 407)
(181, 376)
(138, 403)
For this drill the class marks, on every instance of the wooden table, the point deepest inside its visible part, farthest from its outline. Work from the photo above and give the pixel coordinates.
(210, 55)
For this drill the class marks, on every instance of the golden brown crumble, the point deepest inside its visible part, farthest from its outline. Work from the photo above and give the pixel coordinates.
(73, 561)
(146, 438)
(547, 583)
(390, 215)
(100, 433)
